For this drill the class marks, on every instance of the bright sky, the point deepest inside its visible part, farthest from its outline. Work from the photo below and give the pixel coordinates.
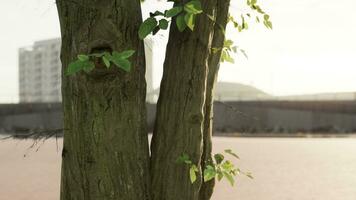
(311, 49)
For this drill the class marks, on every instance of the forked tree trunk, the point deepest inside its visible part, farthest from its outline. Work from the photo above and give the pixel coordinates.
(222, 12)
(105, 153)
(180, 110)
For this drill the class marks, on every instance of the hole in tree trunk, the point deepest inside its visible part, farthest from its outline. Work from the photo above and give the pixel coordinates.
(101, 72)
(101, 49)
(99, 64)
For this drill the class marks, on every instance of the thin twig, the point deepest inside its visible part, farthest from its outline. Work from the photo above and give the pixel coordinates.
(39, 137)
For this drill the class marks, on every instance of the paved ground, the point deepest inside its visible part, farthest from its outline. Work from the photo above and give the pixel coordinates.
(284, 169)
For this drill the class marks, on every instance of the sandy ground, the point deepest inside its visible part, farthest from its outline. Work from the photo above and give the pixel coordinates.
(284, 169)
(27, 174)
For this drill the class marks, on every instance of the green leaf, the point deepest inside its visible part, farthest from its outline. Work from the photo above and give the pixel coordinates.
(268, 24)
(106, 61)
(266, 17)
(226, 57)
(234, 49)
(147, 27)
(123, 64)
(215, 49)
(173, 11)
(210, 167)
(163, 24)
(245, 26)
(181, 23)
(183, 158)
(157, 13)
(229, 151)
(248, 174)
(236, 24)
(155, 30)
(209, 173)
(83, 57)
(235, 171)
(123, 55)
(223, 55)
(190, 20)
(257, 19)
(195, 168)
(193, 176)
(229, 59)
(218, 158)
(188, 162)
(229, 178)
(244, 53)
(253, 2)
(258, 8)
(193, 7)
(88, 66)
(74, 67)
(107, 55)
(242, 19)
(265, 23)
(227, 166)
(228, 43)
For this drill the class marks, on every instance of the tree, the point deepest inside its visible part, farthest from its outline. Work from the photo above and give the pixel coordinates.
(180, 110)
(105, 152)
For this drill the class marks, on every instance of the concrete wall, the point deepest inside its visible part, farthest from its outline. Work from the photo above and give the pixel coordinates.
(285, 117)
(246, 117)
(30, 116)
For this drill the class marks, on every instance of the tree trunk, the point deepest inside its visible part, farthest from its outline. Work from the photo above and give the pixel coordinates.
(105, 152)
(180, 110)
(214, 60)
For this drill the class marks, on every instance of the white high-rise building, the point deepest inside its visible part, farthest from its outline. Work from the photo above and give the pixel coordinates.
(40, 72)
(155, 50)
(149, 69)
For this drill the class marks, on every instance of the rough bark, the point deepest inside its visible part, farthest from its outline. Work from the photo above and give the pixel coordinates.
(222, 12)
(105, 153)
(180, 110)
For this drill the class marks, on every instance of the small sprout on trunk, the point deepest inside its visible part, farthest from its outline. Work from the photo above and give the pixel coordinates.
(87, 62)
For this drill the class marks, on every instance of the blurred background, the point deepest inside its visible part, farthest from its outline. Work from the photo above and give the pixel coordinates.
(288, 107)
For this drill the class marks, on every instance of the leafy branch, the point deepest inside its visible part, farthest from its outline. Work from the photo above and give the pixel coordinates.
(185, 15)
(266, 21)
(227, 49)
(242, 25)
(220, 168)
